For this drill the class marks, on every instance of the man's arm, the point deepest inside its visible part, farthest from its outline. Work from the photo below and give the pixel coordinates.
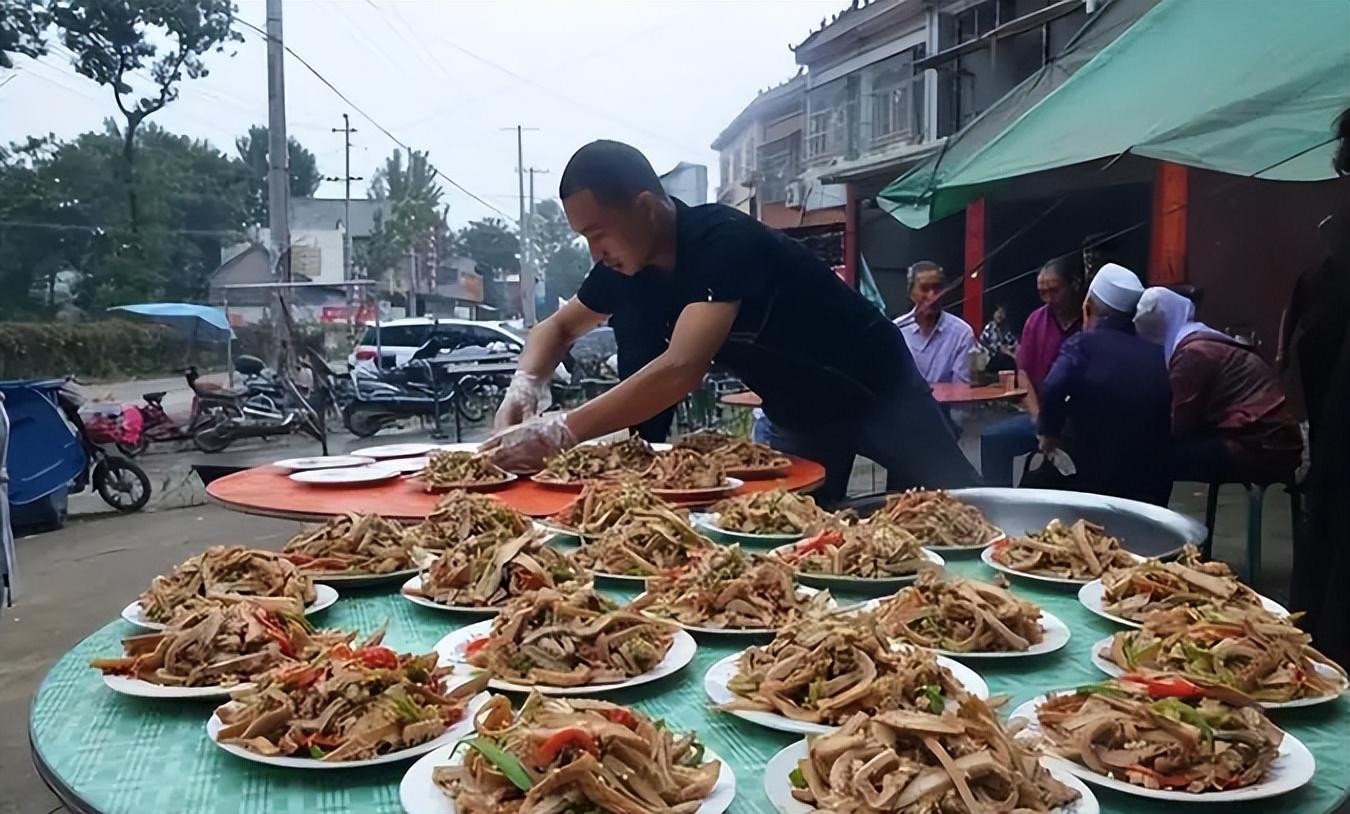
(544, 349)
(1190, 378)
(961, 362)
(1058, 386)
(699, 333)
(1032, 404)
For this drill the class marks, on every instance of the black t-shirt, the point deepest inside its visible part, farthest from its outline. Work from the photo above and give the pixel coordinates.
(806, 342)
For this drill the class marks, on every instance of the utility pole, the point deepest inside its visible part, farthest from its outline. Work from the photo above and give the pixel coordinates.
(411, 300)
(526, 268)
(278, 175)
(536, 277)
(346, 130)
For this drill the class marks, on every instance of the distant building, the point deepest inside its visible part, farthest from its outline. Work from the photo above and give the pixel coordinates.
(688, 182)
(316, 236)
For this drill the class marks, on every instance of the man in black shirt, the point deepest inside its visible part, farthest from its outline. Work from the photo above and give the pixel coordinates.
(716, 285)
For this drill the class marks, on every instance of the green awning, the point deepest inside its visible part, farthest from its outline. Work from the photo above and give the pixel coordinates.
(1239, 87)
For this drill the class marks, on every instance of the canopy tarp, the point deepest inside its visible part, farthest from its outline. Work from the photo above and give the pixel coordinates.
(191, 320)
(1247, 88)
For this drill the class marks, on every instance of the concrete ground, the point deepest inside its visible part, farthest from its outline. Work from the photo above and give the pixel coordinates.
(77, 579)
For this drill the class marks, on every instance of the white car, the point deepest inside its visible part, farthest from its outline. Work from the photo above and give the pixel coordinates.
(400, 338)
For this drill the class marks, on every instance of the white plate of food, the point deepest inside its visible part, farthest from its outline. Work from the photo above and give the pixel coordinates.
(844, 582)
(460, 446)
(360, 580)
(1093, 594)
(145, 689)
(1100, 649)
(938, 519)
(778, 785)
(451, 649)
(322, 462)
(415, 583)
(949, 550)
(987, 556)
(803, 592)
(446, 739)
(1293, 767)
(324, 597)
(1055, 636)
(708, 521)
(403, 466)
(397, 450)
(419, 794)
(347, 476)
(726, 487)
(715, 687)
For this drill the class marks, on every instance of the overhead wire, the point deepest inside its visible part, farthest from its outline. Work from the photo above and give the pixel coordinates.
(435, 171)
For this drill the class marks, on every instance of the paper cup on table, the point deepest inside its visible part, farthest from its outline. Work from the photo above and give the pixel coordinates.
(1006, 378)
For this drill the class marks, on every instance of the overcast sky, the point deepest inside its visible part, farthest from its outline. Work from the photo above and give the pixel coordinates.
(663, 75)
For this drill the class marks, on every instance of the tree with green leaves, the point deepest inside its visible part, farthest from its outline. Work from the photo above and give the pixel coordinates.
(494, 247)
(22, 25)
(115, 41)
(302, 166)
(558, 252)
(412, 216)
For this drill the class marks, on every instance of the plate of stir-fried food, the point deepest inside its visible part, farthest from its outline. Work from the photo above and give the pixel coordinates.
(1129, 595)
(773, 516)
(569, 642)
(684, 476)
(739, 457)
(863, 555)
(814, 676)
(1166, 737)
(1265, 657)
(447, 469)
(962, 761)
(461, 515)
(222, 574)
(941, 522)
(968, 618)
(213, 650)
(646, 542)
(347, 707)
(568, 755)
(602, 505)
(731, 591)
(353, 549)
(1067, 555)
(482, 574)
(573, 468)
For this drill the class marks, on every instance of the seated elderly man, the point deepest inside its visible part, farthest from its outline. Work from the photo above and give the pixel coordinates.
(1230, 418)
(1107, 401)
(938, 341)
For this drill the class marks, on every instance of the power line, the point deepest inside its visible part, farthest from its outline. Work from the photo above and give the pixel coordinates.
(99, 230)
(371, 119)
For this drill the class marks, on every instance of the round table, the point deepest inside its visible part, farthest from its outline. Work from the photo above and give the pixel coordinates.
(104, 752)
(943, 393)
(266, 490)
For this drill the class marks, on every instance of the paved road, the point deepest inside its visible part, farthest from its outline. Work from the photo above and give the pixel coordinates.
(177, 399)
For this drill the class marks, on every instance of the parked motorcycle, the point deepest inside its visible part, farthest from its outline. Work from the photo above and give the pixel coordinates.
(380, 398)
(230, 414)
(120, 482)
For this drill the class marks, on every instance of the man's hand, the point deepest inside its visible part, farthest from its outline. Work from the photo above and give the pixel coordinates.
(523, 449)
(527, 396)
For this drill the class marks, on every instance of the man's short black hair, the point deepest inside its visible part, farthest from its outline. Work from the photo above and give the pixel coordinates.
(614, 172)
(922, 267)
(1068, 268)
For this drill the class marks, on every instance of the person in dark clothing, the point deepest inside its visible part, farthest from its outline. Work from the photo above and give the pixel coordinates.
(1315, 330)
(718, 285)
(1107, 400)
(637, 347)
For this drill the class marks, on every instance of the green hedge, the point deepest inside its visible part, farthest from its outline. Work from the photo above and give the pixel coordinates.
(102, 349)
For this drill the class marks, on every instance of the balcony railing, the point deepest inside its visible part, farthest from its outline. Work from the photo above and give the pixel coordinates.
(897, 113)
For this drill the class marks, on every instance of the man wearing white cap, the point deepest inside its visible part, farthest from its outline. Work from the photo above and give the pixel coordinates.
(1107, 400)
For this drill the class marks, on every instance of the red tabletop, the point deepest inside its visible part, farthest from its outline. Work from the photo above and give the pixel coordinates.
(943, 392)
(266, 490)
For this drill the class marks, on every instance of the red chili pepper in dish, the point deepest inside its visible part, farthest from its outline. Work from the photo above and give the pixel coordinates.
(376, 657)
(476, 645)
(573, 736)
(1170, 687)
(1163, 780)
(818, 543)
(302, 676)
(276, 633)
(341, 652)
(623, 717)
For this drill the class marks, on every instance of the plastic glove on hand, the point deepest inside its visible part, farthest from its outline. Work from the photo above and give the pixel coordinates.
(523, 448)
(527, 396)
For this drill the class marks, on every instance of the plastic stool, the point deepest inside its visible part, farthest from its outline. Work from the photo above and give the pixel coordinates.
(1256, 494)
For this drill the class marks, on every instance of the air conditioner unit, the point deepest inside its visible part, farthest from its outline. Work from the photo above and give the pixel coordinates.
(795, 195)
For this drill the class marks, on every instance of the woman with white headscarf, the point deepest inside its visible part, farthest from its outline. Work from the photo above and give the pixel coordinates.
(1230, 418)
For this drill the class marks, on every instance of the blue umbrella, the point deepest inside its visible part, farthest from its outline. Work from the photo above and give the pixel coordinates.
(192, 321)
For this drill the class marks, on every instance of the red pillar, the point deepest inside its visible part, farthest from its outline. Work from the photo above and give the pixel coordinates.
(972, 307)
(1167, 243)
(850, 236)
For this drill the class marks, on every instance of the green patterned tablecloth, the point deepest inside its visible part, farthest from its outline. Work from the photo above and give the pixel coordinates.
(119, 754)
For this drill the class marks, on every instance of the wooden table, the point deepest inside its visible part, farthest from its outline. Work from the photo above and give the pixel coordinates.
(943, 392)
(267, 491)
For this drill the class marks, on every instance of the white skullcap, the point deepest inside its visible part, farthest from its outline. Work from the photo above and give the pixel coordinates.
(1117, 287)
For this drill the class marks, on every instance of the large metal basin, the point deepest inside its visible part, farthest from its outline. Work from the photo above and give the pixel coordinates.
(1143, 528)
